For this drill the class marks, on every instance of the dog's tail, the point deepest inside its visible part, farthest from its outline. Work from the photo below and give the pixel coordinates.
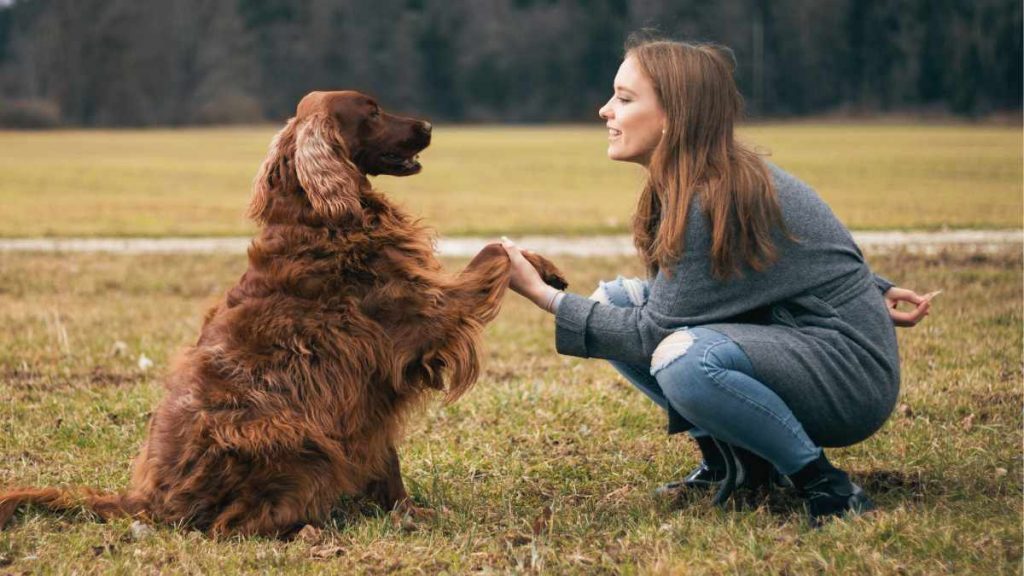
(104, 505)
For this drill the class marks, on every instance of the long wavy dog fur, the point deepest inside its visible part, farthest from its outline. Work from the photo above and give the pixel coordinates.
(295, 392)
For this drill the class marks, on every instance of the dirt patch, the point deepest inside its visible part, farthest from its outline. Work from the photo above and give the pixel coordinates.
(881, 482)
(37, 381)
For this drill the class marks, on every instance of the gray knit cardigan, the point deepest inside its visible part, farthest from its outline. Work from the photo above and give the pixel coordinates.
(814, 324)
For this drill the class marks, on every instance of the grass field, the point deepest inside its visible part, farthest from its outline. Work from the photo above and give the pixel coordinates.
(539, 432)
(488, 180)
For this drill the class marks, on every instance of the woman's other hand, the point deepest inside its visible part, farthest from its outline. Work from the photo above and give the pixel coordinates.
(908, 318)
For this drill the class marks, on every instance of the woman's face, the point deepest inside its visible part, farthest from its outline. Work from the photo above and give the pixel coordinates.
(634, 116)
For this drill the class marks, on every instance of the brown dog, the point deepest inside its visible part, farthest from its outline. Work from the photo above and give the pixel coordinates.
(295, 392)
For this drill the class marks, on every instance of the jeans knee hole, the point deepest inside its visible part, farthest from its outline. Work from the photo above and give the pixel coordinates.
(671, 348)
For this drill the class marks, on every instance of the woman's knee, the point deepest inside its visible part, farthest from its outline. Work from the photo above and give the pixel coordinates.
(676, 366)
(695, 346)
(622, 292)
(684, 364)
(672, 349)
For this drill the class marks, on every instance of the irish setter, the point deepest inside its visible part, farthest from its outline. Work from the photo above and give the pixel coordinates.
(297, 388)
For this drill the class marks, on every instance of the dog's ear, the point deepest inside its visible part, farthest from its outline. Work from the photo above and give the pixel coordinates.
(325, 171)
(275, 172)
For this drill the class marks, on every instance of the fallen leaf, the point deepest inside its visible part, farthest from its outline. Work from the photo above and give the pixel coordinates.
(325, 551)
(140, 530)
(518, 539)
(541, 522)
(403, 521)
(310, 534)
(968, 422)
(578, 558)
(144, 362)
(1000, 472)
(615, 494)
(906, 411)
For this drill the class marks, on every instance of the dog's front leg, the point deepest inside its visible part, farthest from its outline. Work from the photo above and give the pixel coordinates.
(482, 284)
(472, 299)
(389, 492)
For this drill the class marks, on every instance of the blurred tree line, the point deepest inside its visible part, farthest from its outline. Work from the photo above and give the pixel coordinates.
(144, 62)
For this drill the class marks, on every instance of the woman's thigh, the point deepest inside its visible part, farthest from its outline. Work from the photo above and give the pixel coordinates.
(830, 407)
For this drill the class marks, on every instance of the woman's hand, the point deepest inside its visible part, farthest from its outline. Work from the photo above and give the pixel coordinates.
(525, 279)
(909, 318)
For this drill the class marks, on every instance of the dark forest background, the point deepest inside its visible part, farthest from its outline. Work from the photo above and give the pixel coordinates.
(172, 62)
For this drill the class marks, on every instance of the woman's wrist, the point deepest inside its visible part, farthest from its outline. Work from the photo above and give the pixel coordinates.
(545, 297)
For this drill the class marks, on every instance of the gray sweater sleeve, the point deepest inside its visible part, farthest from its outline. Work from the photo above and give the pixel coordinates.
(589, 329)
(689, 297)
(883, 283)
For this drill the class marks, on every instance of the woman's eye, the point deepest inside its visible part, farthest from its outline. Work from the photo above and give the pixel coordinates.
(622, 99)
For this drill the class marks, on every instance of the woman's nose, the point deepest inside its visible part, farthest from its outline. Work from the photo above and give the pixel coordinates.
(604, 112)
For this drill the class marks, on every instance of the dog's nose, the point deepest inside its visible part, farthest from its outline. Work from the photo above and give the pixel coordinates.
(426, 127)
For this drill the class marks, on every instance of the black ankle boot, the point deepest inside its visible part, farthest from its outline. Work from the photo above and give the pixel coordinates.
(708, 474)
(829, 492)
(756, 473)
(752, 472)
(710, 453)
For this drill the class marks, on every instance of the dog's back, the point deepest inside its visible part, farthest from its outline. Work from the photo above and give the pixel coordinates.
(288, 399)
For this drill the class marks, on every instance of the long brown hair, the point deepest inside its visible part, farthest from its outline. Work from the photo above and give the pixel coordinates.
(698, 154)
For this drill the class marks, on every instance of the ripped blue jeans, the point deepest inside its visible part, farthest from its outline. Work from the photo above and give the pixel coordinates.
(708, 380)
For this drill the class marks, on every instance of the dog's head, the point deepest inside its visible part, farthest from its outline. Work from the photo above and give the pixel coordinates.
(334, 140)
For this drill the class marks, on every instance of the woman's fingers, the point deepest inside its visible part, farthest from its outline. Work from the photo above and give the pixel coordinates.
(524, 277)
(908, 318)
(902, 294)
(512, 249)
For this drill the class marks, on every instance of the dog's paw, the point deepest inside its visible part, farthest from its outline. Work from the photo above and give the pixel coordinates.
(408, 517)
(550, 273)
(555, 279)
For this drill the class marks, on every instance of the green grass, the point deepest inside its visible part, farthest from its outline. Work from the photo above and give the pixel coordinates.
(498, 180)
(538, 431)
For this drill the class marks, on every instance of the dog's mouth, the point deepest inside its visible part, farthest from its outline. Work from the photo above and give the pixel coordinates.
(399, 165)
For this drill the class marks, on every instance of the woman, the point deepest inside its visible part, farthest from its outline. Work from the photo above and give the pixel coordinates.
(761, 327)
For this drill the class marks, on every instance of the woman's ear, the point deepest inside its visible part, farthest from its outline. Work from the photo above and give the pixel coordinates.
(273, 173)
(326, 173)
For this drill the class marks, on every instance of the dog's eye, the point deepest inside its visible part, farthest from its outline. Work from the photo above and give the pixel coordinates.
(375, 113)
